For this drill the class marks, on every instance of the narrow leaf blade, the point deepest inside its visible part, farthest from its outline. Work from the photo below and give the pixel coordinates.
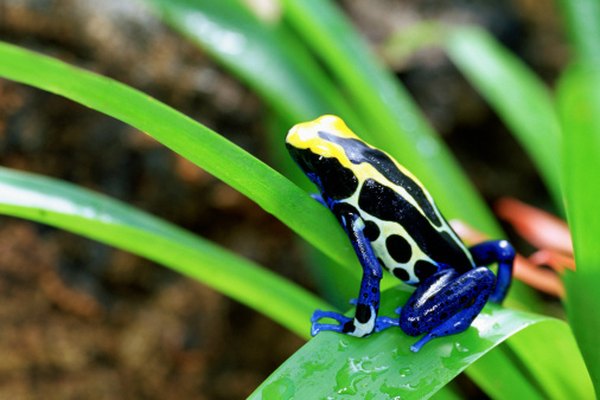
(582, 22)
(100, 218)
(270, 190)
(519, 97)
(579, 103)
(289, 79)
(392, 119)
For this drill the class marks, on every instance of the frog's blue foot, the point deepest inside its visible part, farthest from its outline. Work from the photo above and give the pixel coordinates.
(348, 325)
(344, 324)
(382, 323)
(446, 303)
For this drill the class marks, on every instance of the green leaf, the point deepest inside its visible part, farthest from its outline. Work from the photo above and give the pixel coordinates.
(100, 218)
(270, 190)
(579, 103)
(269, 59)
(404, 43)
(582, 21)
(560, 373)
(519, 97)
(273, 62)
(392, 119)
(289, 79)
(382, 366)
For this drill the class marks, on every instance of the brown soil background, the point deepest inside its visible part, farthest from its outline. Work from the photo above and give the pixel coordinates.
(80, 320)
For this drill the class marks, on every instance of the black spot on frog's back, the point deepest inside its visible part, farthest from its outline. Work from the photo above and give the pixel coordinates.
(384, 203)
(398, 248)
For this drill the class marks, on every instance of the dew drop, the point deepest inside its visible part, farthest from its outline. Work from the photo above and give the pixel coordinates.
(342, 344)
(283, 388)
(461, 348)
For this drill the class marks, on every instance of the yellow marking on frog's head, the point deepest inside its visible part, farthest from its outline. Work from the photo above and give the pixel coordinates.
(306, 136)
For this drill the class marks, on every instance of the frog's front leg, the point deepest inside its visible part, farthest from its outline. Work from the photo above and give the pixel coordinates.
(365, 319)
(446, 303)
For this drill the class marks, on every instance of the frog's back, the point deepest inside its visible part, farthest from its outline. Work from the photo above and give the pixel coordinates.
(409, 235)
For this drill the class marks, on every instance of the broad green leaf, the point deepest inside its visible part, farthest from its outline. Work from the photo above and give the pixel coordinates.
(579, 103)
(98, 217)
(519, 97)
(382, 366)
(270, 190)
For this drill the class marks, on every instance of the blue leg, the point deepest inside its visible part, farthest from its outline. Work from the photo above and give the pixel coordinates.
(319, 198)
(365, 319)
(499, 251)
(446, 303)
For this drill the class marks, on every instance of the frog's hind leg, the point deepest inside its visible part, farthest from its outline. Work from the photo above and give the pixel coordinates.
(446, 303)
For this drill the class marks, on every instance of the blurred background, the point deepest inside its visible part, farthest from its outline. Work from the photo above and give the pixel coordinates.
(81, 320)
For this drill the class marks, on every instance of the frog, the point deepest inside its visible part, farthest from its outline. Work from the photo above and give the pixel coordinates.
(393, 224)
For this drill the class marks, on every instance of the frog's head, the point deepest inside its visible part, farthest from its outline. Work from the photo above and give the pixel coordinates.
(309, 142)
(317, 147)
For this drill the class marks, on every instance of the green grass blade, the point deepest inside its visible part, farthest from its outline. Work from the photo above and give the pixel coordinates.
(519, 97)
(582, 22)
(270, 190)
(269, 59)
(382, 365)
(393, 120)
(579, 103)
(98, 217)
(289, 80)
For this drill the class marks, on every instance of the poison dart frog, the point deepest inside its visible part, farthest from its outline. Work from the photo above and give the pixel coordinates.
(394, 224)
